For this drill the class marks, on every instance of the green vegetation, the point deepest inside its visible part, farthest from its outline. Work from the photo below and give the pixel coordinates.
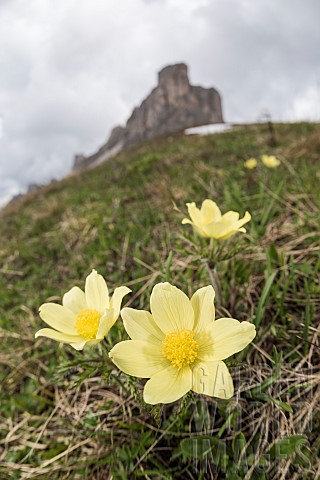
(64, 414)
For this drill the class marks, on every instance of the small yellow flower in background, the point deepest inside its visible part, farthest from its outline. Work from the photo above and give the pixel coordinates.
(251, 163)
(180, 346)
(84, 318)
(210, 223)
(270, 161)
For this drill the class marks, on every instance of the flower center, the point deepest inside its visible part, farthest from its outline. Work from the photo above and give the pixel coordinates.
(180, 348)
(87, 323)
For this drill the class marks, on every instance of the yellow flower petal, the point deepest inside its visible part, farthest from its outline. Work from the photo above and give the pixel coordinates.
(217, 229)
(92, 343)
(195, 213)
(197, 219)
(227, 226)
(225, 337)
(96, 290)
(270, 161)
(197, 228)
(138, 358)
(200, 231)
(58, 317)
(209, 223)
(60, 337)
(140, 325)
(213, 379)
(171, 308)
(105, 323)
(230, 217)
(250, 163)
(75, 300)
(210, 211)
(83, 319)
(229, 234)
(168, 385)
(116, 300)
(232, 232)
(245, 219)
(177, 341)
(202, 303)
(79, 345)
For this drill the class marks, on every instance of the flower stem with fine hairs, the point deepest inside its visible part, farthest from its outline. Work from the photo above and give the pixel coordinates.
(214, 279)
(211, 260)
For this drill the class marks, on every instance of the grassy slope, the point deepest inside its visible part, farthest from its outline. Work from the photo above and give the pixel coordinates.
(119, 218)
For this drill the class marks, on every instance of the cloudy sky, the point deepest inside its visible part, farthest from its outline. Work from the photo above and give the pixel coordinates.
(70, 70)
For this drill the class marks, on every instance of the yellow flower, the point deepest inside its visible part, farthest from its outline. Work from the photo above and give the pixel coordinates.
(209, 222)
(251, 163)
(270, 161)
(84, 318)
(180, 346)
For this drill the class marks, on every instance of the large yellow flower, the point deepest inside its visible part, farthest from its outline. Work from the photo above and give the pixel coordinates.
(180, 346)
(210, 223)
(270, 161)
(84, 318)
(250, 163)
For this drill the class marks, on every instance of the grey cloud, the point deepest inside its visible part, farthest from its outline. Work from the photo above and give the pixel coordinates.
(262, 57)
(72, 70)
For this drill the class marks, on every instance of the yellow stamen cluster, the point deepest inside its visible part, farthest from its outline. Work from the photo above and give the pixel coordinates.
(180, 348)
(87, 323)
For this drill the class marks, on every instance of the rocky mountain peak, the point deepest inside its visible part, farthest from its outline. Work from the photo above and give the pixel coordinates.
(174, 76)
(172, 106)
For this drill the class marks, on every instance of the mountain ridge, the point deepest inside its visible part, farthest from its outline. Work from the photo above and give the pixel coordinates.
(172, 106)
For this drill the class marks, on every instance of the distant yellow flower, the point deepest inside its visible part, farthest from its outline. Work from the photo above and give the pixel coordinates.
(270, 161)
(209, 222)
(251, 163)
(84, 318)
(180, 346)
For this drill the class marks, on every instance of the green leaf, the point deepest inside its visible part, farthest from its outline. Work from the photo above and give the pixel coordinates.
(272, 258)
(263, 298)
(257, 391)
(288, 446)
(280, 403)
(202, 446)
(54, 450)
(268, 211)
(238, 443)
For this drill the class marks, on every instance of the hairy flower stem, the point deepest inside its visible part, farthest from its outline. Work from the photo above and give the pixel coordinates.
(210, 262)
(214, 279)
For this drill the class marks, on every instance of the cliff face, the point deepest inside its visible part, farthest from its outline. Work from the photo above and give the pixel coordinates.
(172, 106)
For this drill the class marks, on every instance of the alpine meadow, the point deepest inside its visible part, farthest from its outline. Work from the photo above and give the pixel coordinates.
(226, 228)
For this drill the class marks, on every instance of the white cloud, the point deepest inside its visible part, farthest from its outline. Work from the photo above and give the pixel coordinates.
(72, 70)
(305, 105)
